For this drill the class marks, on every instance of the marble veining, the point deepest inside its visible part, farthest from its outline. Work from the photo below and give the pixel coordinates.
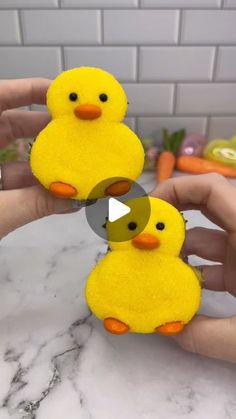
(57, 362)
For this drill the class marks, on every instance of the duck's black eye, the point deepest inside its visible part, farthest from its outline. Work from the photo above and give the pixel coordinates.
(132, 225)
(103, 97)
(73, 97)
(160, 226)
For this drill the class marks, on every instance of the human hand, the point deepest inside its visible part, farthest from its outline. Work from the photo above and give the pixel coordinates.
(22, 199)
(215, 197)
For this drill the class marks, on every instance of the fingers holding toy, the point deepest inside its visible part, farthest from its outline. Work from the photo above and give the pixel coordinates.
(210, 245)
(213, 277)
(16, 124)
(21, 206)
(216, 198)
(17, 175)
(210, 193)
(22, 92)
(213, 337)
(206, 243)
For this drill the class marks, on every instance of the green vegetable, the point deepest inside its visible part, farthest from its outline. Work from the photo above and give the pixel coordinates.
(172, 142)
(8, 154)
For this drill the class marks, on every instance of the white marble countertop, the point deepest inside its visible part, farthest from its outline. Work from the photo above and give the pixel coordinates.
(57, 362)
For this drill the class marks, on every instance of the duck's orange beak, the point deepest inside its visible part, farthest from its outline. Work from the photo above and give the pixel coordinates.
(87, 111)
(145, 241)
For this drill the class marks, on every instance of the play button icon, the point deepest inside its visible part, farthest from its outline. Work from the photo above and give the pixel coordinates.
(116, 210)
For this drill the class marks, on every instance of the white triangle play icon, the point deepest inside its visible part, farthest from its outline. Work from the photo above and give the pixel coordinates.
(116, 210)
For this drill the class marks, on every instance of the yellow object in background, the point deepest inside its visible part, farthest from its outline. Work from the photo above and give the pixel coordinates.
(142, 285)
(222, 151)
(86, 141)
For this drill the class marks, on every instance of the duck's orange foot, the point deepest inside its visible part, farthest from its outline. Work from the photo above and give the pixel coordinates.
(62, 190)
(170, 329)
(118, 188)
(115, 326)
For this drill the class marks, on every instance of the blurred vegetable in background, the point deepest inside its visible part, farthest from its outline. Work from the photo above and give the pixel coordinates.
(15, 152)
(166, 161)
(198, 165)
(151, 151)
(192, 145)
(222, 150)
(189, 153)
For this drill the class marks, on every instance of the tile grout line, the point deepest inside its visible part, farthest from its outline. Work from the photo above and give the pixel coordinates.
(119, 45)
(62, 53)
(180, 21)
(102, 27)
(215, 63)
(138, 63)
(20, 27)
(175, 92)
(124, 9)
(181, 115)
(137, 76)
(213, 81)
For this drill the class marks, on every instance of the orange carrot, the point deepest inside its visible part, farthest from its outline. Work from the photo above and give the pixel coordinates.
(165, 165)
(197, 165)
(166, 161)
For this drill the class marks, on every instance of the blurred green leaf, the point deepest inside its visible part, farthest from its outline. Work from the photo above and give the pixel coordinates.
(8, 154)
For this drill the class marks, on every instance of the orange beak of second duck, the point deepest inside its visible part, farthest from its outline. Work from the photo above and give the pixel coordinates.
(87, 111)
(146, 242)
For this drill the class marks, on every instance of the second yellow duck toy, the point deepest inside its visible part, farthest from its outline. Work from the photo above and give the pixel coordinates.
(142, 285)
(86, 142)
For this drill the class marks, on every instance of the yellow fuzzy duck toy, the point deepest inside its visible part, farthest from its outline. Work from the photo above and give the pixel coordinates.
(86, 142)
(142, 285)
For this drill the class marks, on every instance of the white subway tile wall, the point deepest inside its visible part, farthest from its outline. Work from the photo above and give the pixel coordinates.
(29, 4)
(103, 4)
(176, 58)
(120, 61)
(226, 64)
(181, 3)
(9, 27)
(53, 27)
(200, 99)
(176, 63)
(141, 27)
(231, 4)
(21, 62)
(208, 26)
(150, 99)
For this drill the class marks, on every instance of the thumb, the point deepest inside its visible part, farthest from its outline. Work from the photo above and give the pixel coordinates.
(210, 336)
(21, 206)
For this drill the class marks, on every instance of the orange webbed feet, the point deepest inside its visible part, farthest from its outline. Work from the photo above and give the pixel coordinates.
(116, 327)
(62, 190)
(170, 329)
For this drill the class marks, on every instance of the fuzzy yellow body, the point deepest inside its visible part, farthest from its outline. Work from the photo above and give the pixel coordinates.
(143, 292)
(146, 288)
(83, 152)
